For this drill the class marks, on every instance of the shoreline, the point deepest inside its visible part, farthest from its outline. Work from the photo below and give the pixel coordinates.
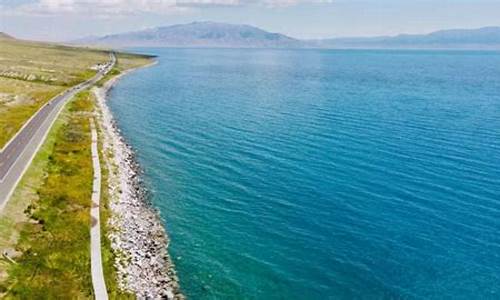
(137, 234)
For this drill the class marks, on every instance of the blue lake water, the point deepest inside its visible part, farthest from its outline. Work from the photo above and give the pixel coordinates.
(314, 174)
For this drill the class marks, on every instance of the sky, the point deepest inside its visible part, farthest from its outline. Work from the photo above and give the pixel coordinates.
(64, 20)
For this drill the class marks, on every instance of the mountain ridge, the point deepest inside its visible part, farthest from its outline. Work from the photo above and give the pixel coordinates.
(198, 34)
(5, 36)
(214, 34)
(484, 37)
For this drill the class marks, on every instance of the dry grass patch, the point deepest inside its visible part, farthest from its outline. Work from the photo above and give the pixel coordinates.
(33, 73)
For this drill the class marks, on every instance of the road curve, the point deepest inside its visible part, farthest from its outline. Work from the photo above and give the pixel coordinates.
(17, 155)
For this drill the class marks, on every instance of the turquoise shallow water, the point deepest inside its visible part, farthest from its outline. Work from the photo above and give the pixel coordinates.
(305, 174)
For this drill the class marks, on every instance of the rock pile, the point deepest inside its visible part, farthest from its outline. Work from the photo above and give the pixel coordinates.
(139, 240)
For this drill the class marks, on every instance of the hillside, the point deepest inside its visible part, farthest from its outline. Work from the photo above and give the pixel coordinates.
(198, 34)
(4, 36)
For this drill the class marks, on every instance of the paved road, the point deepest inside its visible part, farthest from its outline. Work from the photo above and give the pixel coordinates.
(98, 282)
(17, 155)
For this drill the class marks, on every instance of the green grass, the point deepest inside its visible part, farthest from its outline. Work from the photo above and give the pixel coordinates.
(13, 216)
(55, 260)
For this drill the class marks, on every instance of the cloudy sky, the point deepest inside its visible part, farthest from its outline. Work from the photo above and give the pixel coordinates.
(60, 20)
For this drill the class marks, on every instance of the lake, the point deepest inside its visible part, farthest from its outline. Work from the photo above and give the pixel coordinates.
(322, 174)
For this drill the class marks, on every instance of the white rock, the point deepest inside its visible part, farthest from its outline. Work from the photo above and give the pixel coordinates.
(143, 264)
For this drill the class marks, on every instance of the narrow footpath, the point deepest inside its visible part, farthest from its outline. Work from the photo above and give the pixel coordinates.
(98, 282)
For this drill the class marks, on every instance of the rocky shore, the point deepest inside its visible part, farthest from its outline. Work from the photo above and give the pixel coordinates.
(138, 238)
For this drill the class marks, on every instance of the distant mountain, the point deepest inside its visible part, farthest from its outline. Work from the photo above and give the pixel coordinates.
(487, 37)
(4, 36)
(197, 34)
(211, 34)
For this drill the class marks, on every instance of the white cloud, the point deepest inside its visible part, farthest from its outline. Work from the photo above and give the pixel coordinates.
(96, 8)
(278, 3)
(109, 8)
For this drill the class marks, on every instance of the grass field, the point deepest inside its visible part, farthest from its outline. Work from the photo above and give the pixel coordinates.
(32, 73)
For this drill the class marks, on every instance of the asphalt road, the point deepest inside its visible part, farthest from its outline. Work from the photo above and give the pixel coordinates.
(17, 155)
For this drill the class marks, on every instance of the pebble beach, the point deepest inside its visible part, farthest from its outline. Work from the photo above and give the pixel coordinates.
(138, 237)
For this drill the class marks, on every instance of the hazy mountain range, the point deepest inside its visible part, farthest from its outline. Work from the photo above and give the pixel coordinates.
(487, 37)
(211, 34)
(197, 34)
